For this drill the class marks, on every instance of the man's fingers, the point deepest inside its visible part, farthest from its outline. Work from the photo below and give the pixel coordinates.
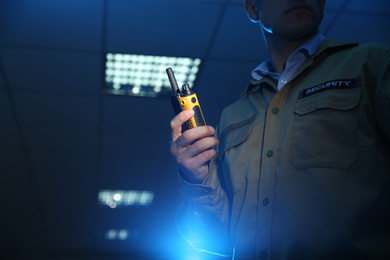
(195, 155)
(178, 121)
(195, 139)
(201, 145)
(192, 135)
(200, 159)
(193, 148)
(196, 169)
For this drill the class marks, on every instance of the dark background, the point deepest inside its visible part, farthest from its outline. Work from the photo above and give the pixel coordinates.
(62, 140)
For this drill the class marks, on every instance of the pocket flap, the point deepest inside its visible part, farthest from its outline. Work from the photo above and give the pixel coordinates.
(234, 134)
(332, 99)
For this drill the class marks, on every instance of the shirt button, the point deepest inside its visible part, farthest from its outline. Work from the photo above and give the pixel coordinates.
(270, 153)
(265, 201)
(263, 255)
(275, 111)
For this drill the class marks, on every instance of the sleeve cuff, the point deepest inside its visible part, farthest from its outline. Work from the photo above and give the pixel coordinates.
(195, 191)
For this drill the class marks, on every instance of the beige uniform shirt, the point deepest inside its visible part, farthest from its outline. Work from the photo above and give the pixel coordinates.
(304, 172)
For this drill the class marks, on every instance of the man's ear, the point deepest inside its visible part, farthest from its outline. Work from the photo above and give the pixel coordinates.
(252, 10)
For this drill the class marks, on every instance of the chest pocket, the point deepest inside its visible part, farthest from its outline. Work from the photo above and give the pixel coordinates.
(325, 129)
(233, 153)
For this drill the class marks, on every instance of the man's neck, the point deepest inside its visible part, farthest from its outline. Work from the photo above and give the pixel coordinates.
(280, 50)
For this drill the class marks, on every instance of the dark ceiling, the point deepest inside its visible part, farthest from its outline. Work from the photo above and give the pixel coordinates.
(62, 140)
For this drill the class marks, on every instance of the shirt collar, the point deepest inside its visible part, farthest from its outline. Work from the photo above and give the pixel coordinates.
(308, 48)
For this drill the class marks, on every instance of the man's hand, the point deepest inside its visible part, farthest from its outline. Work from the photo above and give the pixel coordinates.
(193, 148)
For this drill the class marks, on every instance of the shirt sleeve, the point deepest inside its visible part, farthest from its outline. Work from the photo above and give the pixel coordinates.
(203, 217)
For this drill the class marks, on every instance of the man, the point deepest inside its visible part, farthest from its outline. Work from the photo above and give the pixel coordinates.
(301, 168)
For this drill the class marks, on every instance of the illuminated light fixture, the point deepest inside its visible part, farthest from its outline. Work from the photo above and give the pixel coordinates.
(125, 198)
(145, 76)
(119, 234)
(113, 234)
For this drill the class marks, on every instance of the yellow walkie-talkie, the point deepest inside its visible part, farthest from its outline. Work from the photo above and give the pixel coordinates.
(185, 100)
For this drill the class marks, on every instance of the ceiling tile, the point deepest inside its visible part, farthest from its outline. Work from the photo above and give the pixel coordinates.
(57, 110)
(220, 84)
(13, 164)
(10, 139)
(72, 167)
(53, 71)
(6, 115)
(238, 38)
(5, 245)
(335, 5)
(172, 29)
(222, 80)
(132, 157)
(61, 140)
(366, 28)
(2, 86)
(13, 159)
(327, 22)
(330, 4)
(64, 24)
(22, 218)
(68, 189)
(137, 112)
(364, 6)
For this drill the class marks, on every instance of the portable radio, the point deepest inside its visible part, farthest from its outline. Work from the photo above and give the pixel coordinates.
(185, 100)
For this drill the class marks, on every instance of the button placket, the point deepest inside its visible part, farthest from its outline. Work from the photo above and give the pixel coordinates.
(267, 177)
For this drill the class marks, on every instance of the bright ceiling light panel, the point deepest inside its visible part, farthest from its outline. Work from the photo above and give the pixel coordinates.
(124, 198)
(145, 76)
(121, 234)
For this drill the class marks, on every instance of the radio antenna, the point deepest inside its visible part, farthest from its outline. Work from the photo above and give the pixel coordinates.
(172, 80)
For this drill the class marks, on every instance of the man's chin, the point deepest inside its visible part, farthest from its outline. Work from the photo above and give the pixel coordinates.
(301, 31)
